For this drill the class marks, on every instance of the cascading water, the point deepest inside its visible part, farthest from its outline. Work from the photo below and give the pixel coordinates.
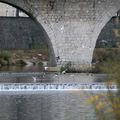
(57, 86)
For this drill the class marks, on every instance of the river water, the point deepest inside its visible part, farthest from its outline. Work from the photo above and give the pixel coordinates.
(58, 105)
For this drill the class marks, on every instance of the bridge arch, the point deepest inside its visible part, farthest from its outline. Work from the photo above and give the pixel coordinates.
(37, 18)
(109, 25)
(72, 28)
(103, 20)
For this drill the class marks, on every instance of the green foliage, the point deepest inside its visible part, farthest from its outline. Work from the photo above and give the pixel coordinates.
(40, 64)
(21, 62)
(106, 58)
(4, 58)
(65, 67)
(103, 54)
(112, 67)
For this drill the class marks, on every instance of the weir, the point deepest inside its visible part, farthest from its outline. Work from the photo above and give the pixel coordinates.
(15, 87)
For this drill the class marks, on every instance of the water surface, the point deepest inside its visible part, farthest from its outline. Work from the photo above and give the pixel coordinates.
(59, 105)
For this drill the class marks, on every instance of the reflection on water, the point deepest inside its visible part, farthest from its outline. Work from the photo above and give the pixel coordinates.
(46, 106)
(60, 106)
(72, 105)
(27, 77)
(21, 68)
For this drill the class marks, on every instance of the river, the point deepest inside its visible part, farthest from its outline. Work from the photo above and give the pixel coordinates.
(58, 105)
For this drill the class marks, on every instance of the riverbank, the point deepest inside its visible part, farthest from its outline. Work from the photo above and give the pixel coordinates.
(30, 58)
(105, 58)
(10, 58)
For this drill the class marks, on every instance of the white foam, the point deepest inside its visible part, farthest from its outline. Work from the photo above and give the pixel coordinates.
(53, 87)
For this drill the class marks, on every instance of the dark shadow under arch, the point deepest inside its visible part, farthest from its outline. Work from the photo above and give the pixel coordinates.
(109, 34)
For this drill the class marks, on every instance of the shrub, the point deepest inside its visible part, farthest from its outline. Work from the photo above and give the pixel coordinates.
(40, 64)
(21, 62)
(65, 67)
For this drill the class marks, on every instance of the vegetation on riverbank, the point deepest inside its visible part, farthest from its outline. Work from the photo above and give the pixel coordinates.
(65, 68)
(109, 63)
(107, 105)
(23, 57)
(104, 59)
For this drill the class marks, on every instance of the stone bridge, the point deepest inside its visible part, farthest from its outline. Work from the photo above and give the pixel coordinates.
(71, 26)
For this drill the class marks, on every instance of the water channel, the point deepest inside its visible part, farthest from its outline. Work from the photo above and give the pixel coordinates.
(57, 105)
